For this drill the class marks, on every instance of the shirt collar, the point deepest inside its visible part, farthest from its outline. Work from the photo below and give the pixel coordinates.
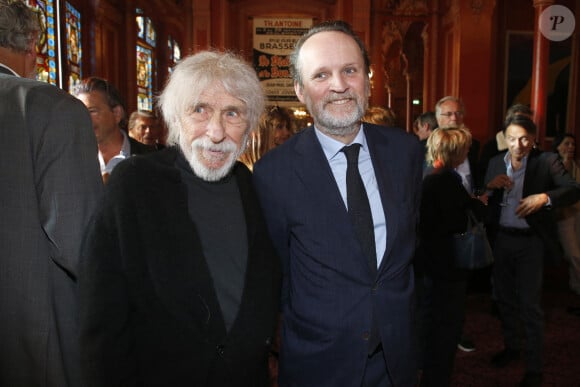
(332, 147)
(507, 158)
(10, 69)
(126, 148)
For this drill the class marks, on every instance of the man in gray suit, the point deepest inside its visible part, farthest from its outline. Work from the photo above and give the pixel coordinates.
(49, 184)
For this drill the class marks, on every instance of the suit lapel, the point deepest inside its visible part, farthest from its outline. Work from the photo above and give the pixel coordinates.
(314, 171)
(530, 175)
(259, 268)
(383, 165)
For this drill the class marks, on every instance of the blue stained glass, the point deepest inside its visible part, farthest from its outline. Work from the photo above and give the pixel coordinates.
(46, 50)
(144, 78)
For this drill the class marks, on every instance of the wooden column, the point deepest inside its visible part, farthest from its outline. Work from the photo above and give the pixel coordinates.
(539, 96)
(408, 96)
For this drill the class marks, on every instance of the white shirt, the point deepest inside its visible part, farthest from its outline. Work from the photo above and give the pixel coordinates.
(465, 172)
(9, 69)
(123, 154)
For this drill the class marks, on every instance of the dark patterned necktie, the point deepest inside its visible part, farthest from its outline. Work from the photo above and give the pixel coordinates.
(359, 208)
(359, 211)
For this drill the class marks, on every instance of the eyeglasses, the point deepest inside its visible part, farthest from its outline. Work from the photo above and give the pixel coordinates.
(449, 114)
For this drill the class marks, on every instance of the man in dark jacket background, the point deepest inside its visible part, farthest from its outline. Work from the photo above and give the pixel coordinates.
(526, 185)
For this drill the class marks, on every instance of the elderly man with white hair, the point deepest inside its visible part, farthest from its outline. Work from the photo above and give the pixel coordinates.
(180, 285)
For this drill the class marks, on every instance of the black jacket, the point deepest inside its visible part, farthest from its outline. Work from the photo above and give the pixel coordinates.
(150, 314)
(544, 173)
(444, 204)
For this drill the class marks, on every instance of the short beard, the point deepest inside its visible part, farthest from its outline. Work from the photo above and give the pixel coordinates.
(193, 152)
(333, 125)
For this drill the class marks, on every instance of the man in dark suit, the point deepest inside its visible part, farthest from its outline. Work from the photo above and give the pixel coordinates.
(49, 185)
(144, 127)
(109, 117)
(348, 310)
(180, 284)
(450, 112)
(526, 185)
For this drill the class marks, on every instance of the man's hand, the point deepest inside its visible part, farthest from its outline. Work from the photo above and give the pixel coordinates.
(500, 182)
(531, 204)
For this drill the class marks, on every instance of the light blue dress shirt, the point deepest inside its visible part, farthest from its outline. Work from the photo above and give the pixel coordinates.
(337, 161)
(512, 198)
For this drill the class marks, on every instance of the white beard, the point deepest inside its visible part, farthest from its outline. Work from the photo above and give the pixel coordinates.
(200, 157)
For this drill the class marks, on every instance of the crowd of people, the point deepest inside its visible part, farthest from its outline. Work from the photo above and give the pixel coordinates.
(215, 244)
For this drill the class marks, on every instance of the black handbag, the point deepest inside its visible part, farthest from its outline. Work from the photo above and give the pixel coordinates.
(472, 249)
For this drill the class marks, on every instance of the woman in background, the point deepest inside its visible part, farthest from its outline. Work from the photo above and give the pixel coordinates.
(569, 217)
(444, 206)
(380, 116)
(276, 126)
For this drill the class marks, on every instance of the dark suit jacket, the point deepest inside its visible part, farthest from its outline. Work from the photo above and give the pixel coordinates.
(473, 157)
(544, 174)
(138, 148)
(444, 206)
(329, 294)
(49, 186)
(150, 315)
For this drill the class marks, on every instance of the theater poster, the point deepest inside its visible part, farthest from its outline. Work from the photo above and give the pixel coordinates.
(274, 39)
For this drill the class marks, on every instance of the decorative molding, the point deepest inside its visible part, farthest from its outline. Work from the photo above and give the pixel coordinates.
(477, 6)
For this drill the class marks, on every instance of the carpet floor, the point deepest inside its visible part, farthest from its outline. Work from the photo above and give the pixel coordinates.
(562, 339)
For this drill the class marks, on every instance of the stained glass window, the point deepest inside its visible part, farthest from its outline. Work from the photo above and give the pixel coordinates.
(73, 45)
(174, 52)
(146, 36)
(146, 30)
(140, 25)
(144, 77)
(46, 60)
(151, 34)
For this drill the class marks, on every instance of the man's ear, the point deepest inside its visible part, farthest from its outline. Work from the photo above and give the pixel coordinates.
(299, 91)
(119, 113)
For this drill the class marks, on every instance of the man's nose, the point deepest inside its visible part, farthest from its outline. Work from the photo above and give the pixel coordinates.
(215, 129)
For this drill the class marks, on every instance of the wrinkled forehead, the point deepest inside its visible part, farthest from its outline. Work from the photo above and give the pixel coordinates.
(328, 49)
(218, 97)
(450, 106)
(149, 121)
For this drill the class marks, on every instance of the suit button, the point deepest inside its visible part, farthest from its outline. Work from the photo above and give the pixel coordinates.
(366, 335)
(268, 341)
(220, 349)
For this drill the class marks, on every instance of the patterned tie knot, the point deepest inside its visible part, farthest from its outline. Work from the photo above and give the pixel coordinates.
(351, 152)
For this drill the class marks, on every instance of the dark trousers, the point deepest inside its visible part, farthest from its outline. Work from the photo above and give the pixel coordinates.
(517, 275)
(442, 329)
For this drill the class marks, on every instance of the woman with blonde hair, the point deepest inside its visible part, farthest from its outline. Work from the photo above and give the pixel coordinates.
(444, 207)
